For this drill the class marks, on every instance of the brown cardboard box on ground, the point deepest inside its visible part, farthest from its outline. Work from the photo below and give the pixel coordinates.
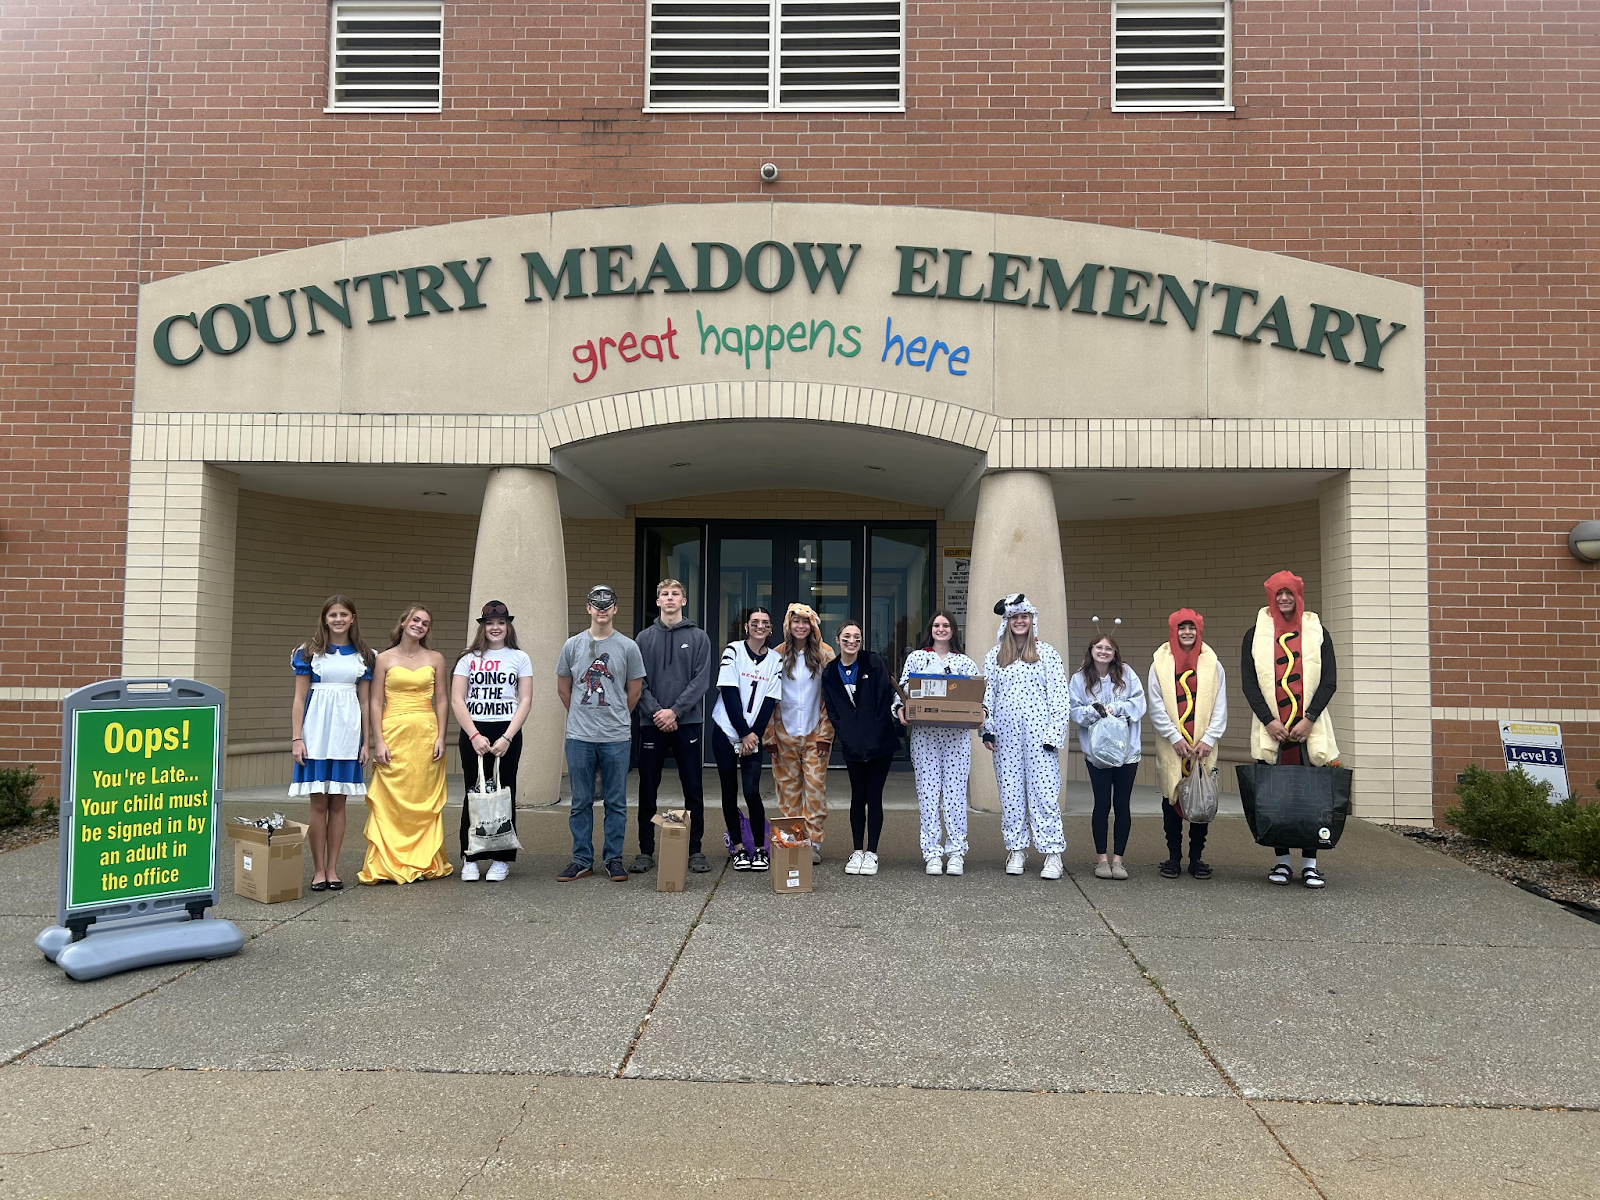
(948, 701)
(268, 864)
(791, 865)
(672, 849)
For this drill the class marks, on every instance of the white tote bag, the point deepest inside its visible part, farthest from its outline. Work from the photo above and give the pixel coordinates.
(489, 809)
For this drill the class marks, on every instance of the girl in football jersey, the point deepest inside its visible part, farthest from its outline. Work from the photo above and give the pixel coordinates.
(749, 685)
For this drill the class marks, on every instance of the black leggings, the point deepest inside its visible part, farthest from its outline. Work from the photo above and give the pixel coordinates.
(508, 778)
(866, 800)
(730, 767)
(1112, 786)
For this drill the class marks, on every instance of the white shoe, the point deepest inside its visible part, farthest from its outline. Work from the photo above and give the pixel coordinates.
(470, 872)
(1052, 867)
(869, 863)
(853, 865)
(1015, 861)
(936, 866)
(497, 871)
(956, 865)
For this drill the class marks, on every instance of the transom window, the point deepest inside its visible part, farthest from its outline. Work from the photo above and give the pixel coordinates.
(385, 57)
(775, 55)
(1171, 55)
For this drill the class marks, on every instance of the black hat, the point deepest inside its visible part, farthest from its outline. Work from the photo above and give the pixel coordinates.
(495, 610)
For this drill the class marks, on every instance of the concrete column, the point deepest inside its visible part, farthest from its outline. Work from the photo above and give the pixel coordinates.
(1375, 604)
(178, 604)
(522, 560)
(1016, 547)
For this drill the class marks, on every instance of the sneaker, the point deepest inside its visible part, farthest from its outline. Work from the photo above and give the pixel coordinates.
(1171, 870)
(618, 872)
(936, 866)
(1015, 862)
(853, 865)
(470, 871)
(956, 865)
(575, 870)
(741, 860)
(869, 864)
(761, 862)
(497, 871)
(816, 854)
(1198, 869)
(699, 864)
(641, 863)
(1052, 867)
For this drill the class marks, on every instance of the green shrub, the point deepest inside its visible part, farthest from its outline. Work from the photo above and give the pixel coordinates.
(16, 796)
(1573, 833)
(1508, 810)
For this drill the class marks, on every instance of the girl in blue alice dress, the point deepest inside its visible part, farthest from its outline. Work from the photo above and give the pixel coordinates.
(332, 672)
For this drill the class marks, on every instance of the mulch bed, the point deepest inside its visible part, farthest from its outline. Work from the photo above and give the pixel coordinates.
(1561, 882)
(27, 835)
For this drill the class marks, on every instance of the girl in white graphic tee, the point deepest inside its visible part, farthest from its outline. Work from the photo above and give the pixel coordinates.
(749, 686)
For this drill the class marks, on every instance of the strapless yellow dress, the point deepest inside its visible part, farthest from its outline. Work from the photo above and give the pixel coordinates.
(405, 829)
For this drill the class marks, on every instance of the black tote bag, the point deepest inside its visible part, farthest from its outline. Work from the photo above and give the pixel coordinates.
(1295, 806)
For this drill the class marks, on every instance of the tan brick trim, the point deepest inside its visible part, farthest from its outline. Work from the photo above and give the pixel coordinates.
(476, 439)
(1561, 716)
(1090, 443)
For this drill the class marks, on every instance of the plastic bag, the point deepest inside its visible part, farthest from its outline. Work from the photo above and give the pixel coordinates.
(1297, 807)
(1195, 797)
(489, 810)
(1110, 742)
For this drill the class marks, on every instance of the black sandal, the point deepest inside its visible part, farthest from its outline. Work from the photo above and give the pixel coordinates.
(1169, 869)
(1312, 878)
(1200, 870)
(1280, 875)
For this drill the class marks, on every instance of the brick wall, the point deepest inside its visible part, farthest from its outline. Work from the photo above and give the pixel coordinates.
(1448, 144)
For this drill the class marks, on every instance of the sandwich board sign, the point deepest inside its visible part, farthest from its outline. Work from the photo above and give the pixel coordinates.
(1536, 748)
(141, 761)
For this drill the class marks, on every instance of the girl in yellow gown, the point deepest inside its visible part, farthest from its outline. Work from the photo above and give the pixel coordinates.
(405, 829)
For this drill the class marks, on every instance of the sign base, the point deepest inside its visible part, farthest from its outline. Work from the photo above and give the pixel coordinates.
(121, 946)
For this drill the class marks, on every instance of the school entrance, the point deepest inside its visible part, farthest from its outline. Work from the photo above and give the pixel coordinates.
(880, 573)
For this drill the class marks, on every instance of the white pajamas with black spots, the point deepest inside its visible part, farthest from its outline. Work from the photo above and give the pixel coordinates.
(942, 760)
(1028, 711)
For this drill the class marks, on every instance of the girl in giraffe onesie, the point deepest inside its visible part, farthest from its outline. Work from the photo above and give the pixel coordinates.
(799, 736)
(1025, 695)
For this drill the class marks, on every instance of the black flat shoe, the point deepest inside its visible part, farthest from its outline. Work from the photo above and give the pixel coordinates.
(336, 885)
(320, 886)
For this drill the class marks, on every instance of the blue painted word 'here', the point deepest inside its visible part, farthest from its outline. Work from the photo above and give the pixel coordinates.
(916, 352)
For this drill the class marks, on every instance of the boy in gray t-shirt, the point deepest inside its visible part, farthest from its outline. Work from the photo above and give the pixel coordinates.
(599, 677)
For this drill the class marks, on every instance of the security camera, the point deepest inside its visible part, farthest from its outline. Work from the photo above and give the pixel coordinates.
(769, 172)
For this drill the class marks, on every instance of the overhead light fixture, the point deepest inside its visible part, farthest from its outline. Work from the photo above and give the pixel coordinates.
(1584, 541)
(435, 493)
(1122, 499)
(675, 466)
(870, 467)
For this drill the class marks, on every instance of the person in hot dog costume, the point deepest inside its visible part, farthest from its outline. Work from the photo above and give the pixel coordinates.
(1289, 675)
(1188, 705)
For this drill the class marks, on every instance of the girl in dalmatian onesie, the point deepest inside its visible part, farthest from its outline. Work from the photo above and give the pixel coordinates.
(941, 757)
(1025, 695)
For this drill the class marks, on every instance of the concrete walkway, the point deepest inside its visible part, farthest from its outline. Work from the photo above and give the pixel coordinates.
(1406, 1032)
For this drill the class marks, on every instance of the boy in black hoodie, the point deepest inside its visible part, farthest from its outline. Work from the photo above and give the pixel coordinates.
(678, 674)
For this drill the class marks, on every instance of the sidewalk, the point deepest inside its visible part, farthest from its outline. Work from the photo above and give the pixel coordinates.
(1397, 1034)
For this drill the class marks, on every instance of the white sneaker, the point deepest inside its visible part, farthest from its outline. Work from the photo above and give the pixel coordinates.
(1052, 867)
(1015, 861)
(497, 871)
(956, 865)
(470, 872)
(869, 863)
(936, 866)
(852, 866)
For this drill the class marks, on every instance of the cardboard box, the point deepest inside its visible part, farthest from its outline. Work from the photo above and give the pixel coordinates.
(952, 701)
(791, 865)
(268, 864)
(672, 849)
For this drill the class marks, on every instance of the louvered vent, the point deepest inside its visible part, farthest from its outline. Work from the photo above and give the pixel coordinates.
(792, 54)
(386, 57)
(1171, 54)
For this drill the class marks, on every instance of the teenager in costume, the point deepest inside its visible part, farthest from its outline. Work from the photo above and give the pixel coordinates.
(491, 692)
(941, 757)
(328, 720)
(859, 695)
(1025, 696)
(799, 736)
(1289, 675)
(749, 683)
(1104, 689)
(1188, 698)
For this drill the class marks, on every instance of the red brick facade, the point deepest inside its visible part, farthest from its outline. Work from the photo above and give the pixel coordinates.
(1445, 144)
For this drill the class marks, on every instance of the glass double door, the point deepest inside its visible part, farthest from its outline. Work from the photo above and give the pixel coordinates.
(775, 565)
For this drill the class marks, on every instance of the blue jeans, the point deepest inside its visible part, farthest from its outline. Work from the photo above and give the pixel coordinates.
(612, 760)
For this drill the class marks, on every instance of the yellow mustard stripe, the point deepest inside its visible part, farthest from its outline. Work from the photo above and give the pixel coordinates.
(1294, 705)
